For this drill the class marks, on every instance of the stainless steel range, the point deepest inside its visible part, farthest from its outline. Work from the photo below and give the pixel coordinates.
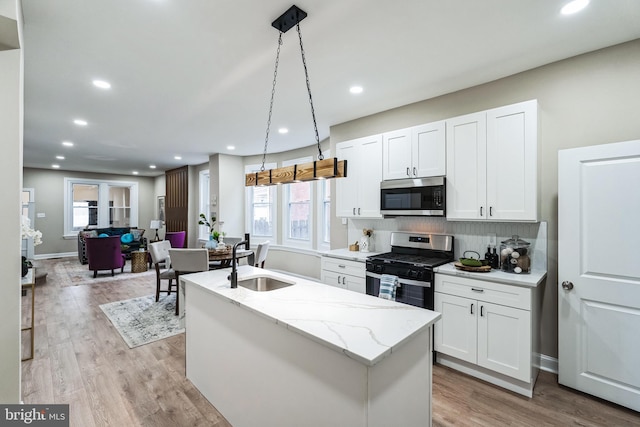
(412, 258)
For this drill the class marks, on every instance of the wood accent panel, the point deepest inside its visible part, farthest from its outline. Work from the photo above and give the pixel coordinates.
(177, 199)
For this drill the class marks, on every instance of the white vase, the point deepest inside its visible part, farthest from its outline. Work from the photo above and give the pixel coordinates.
(365, 244)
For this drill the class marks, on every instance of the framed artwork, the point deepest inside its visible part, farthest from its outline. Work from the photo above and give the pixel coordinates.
(161, 211)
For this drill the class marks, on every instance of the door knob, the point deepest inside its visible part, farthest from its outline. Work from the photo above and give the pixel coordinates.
(567, 286)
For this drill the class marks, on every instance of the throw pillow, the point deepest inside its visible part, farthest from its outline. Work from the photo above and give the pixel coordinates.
(126, 238)
(137, 233)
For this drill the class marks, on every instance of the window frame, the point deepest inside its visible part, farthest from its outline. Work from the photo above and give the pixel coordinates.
(273, 238)
(286, 222)
(204, 188)
(323, 245)
(103, 202)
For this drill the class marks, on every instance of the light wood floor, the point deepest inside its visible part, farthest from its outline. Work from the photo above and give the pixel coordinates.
(81, 359)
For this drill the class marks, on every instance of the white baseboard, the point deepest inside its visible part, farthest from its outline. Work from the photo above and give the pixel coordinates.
(58, 255)
(548, 363)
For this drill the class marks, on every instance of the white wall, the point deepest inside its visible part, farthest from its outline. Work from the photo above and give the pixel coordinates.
(586, 100)
(11, 118)
(231, 194)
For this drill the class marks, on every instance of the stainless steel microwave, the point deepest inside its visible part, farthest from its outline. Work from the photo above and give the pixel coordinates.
(413, 197)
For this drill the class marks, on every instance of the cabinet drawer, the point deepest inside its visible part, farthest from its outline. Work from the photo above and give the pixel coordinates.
(482, 290)
(352, 268)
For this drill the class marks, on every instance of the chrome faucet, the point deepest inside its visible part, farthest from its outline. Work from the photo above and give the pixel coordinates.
(234, 269)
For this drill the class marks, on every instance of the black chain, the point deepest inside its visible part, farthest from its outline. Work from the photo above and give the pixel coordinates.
(273, 93)
(313, 113)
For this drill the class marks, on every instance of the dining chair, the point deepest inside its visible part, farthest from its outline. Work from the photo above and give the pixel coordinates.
(159, 252)
(261, 254)
(176, 238)
(186, 261)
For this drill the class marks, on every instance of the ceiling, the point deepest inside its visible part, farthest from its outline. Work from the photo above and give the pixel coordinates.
(190, 77)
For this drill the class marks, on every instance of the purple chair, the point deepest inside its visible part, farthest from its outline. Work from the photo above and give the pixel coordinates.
(176, 238)
(104, 253)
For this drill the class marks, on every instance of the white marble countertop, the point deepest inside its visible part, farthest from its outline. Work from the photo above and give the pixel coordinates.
(345, 253)
(532, 279)
(363, 327)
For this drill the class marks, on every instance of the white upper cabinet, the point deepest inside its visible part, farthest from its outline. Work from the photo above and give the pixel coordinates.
(358, 195)
(492, 162)
(415, 152)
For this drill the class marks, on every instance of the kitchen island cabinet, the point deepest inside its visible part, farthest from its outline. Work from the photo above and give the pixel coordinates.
(358, 194)
(489, 329)
(307, 354)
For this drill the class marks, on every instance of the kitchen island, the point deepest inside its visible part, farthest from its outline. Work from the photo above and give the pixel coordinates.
(307, 354)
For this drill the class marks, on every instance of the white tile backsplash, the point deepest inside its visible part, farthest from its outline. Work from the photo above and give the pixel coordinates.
(468, 235)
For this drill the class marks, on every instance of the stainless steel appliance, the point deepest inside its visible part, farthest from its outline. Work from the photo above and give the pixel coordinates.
(412, 258)
(413, 197)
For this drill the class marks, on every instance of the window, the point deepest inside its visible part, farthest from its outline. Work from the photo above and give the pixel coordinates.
(261, 215)
(99, 204)
(204, 206)
(298, 208)
(324, 190)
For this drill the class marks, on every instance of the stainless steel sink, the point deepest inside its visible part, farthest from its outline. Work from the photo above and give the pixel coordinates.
(263, 284)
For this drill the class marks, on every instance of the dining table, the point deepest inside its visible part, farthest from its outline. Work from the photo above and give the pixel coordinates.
(225, 257)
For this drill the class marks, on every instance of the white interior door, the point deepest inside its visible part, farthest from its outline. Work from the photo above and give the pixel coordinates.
(599, 271)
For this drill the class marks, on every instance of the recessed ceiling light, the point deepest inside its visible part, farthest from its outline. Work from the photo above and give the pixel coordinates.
(356, 89)
(60, 157)
(55, 166)
(152, 166)
(102, 84)
(135, 172)
(574, 7)
(230, 147)
(178, 157)
(283, 130)
(67, 143)
(80, 122)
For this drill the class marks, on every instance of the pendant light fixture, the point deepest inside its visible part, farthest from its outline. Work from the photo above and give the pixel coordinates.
(318, 169)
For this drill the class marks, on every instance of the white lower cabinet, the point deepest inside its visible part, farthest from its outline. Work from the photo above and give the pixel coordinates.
(486, 328)
(344, 274)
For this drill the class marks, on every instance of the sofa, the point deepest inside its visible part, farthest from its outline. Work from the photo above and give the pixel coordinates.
(134, 234)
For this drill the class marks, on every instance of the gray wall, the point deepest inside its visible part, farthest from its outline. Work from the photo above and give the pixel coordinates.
(49, 197)
(586, 100)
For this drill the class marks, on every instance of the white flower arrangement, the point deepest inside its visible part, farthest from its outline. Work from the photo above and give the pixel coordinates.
(28, 232)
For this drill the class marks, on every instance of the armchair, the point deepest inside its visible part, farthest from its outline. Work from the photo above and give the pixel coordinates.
(104, 253)
(176, 238)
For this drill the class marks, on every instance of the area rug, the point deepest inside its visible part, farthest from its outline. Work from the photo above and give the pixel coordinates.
(72, 273)
(143, 320)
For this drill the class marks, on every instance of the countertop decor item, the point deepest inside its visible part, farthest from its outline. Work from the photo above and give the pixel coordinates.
(365, 240)
(318, 169)
(515, 256)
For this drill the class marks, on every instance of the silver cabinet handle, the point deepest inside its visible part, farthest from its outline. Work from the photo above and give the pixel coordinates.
(408, 173)
(477, 290)
(415, 172)
(567, 286)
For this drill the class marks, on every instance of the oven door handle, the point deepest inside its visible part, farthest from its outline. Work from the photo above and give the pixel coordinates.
(402, 281)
